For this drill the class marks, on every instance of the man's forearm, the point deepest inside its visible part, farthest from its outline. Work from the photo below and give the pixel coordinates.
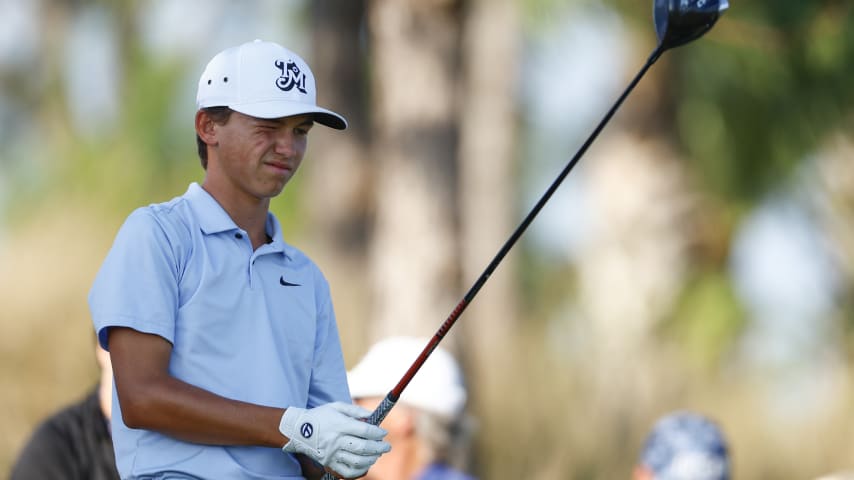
(152, 399)
(189, 413)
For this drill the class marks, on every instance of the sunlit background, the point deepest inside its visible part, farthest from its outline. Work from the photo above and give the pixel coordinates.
(701, 256)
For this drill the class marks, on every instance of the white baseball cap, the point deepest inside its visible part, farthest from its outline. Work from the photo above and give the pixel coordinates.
(437, 387)
(265, 80)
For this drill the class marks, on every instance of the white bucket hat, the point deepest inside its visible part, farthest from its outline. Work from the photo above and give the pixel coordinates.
(265, 80)
(437, 387)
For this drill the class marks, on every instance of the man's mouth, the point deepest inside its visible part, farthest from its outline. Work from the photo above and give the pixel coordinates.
(280, 167)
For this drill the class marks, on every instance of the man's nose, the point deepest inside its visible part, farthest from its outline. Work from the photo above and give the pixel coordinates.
(284, 143)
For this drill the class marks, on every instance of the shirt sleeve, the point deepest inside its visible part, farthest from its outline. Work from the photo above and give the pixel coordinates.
(137, 285)
(328, 375)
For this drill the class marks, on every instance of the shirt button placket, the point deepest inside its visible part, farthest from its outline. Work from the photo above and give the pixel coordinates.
(240, 236)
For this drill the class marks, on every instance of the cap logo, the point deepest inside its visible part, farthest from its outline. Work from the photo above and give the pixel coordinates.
(291, 76)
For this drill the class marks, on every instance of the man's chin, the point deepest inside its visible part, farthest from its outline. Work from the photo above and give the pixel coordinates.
(274, 189)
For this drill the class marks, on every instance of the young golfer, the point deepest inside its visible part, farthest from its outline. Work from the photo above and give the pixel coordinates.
(223, 339)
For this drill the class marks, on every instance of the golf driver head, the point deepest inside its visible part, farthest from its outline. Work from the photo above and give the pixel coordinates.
(677, 22)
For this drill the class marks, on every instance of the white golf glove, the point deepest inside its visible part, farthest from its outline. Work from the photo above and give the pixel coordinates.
(333, 436)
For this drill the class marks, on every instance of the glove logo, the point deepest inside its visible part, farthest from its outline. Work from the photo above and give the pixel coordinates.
(306, 430)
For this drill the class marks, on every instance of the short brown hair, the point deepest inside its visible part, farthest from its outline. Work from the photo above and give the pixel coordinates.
(220, 116)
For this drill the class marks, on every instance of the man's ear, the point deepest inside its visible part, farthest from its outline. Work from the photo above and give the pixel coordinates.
(205, 128)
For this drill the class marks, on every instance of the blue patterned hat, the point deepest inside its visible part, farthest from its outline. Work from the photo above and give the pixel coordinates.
(686, 446)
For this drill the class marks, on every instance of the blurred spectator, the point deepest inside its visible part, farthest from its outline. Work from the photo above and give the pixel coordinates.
(684, 446)
(427, 429)
(842, 475)
(74, 443)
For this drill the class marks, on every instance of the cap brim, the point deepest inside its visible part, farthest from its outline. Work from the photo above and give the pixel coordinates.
(279, 109)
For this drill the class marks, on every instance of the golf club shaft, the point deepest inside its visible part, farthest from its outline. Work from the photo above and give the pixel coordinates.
(391, 398)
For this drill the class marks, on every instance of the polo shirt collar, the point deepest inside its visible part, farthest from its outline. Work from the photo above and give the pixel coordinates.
(274, 230)
(214, 219)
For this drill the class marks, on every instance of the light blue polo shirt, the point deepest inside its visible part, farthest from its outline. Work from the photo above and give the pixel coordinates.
(256, 326)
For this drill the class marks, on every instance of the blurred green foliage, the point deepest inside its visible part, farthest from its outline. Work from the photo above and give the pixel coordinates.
(762, 90)
(706, 321)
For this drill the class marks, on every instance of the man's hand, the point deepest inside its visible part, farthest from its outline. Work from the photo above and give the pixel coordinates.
(334, 436)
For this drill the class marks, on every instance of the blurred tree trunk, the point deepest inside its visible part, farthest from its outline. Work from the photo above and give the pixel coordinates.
(487, 200)
(414, 254)
(338, 177)
(834, 181)
(635, 263)
(487, 147)
(635, 267)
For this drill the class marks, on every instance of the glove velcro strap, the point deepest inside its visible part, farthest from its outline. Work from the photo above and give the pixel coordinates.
(296, 424)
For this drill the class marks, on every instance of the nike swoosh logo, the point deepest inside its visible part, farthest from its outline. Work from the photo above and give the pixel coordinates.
(285, 283)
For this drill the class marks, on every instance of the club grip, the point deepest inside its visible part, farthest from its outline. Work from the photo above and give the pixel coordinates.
(381, 411)
(375, 418)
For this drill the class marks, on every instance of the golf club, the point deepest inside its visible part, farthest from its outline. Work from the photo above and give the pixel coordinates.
(677, 22)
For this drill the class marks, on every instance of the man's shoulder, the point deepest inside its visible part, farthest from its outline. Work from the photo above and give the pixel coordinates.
(298, 260)
(173, 217)
(72, 443)
(72, 423)
(174, 209)
(85, 410)
(297, 257)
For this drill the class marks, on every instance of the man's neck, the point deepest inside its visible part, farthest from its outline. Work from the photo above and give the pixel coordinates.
(247, 212)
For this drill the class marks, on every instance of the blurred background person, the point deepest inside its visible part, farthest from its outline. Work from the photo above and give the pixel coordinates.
(428, 428)
(841, 475)
(74, 443)
(684, 446)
